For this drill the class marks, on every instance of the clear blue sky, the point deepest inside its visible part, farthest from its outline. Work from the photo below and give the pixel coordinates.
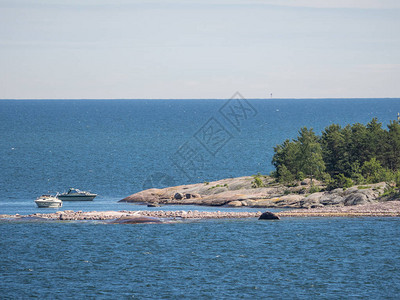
(199, 49)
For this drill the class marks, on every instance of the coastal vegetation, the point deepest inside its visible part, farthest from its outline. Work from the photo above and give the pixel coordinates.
(341, 157)
(258, 181)
(343, 166)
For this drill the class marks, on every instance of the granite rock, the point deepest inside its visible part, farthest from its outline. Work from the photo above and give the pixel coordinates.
(238, 192)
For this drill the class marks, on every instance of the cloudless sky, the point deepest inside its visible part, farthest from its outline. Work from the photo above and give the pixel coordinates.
(199, 49)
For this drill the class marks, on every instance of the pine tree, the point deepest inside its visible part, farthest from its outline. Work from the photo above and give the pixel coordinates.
(309, 156)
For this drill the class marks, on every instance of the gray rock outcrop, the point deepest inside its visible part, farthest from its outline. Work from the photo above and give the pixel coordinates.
(238, 192)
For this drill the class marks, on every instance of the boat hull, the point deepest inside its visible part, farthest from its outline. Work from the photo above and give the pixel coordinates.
(48, 204)
(76, 197)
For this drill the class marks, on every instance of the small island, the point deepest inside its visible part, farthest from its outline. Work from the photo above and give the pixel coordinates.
(350, 166)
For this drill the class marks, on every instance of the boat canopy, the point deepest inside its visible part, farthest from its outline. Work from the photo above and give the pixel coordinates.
(73, 191)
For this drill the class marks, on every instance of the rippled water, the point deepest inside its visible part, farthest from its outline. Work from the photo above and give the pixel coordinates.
(290, 258)
(116, 148)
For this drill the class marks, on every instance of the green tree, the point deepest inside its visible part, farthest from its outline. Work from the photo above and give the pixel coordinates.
(371, 169)
(352, 154)
(358, 144)
(285, 176)
(301, 156)
(392, 146)
(340, 181)
(333, 148)
(286, 154)
(374, 172)
(309, 155)
(375, 138)
(356, 173)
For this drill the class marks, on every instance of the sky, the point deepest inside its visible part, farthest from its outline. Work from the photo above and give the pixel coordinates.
(176, 49)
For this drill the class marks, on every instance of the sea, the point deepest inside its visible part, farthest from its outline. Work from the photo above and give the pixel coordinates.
(115, 148)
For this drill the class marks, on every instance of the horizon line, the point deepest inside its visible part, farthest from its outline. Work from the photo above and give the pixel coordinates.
(284, 98)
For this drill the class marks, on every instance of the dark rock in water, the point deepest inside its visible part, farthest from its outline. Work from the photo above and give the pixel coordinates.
(136, 220)
(268, 216)
(153, 205)
(178, 196)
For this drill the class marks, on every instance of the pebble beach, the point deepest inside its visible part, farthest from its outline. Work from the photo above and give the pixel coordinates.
(381, 209)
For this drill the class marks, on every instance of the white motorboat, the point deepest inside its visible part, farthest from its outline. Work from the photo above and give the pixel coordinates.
(48, 201)
(76, 195)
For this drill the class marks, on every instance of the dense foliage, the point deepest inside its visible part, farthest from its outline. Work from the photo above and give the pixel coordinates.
(341, 157)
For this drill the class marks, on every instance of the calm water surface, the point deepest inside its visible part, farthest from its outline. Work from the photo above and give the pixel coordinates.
(292, 258)
(118, 147)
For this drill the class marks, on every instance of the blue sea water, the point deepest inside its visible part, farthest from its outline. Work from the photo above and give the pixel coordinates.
(118, 147)
(292, 258)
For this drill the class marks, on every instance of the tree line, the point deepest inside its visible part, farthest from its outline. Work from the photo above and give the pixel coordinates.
(341, 156)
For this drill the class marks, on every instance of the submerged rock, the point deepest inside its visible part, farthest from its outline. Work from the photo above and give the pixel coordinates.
(136, 220)
(268, 216)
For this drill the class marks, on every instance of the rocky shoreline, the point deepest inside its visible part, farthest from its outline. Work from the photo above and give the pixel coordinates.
(306, 198)
(382, 209)
(69, 215)
(379, 209)
(244, 192)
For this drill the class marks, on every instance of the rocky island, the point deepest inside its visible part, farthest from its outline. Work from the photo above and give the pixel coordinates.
(244, 192)
(343, 166)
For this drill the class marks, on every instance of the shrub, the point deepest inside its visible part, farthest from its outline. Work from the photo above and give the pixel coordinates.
(340, 181)
(300, 176)
(284, 175)
(358, 179)
(257, 182)
(389, 191)
(396, 178)
(385, 175)
(347, 182)
(326, 178)
(314, 189)
(374, 172)
(364, 187)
